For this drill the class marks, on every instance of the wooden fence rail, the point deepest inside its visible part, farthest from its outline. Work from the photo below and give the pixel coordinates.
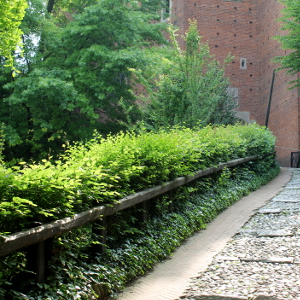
(39, 234)
(35, 237)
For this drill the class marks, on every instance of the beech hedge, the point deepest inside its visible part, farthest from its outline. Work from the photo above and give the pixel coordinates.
(107, 169)
(76, 271)
(101, 172)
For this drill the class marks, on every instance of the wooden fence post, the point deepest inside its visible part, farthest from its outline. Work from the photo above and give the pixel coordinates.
(100, 248)
(103, 234)
(145, 211)
(40, 262)
(171, 197)
(36, 258)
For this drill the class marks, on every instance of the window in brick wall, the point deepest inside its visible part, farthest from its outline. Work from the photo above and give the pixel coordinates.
(166, 10)
(168, 6)
(243, 63)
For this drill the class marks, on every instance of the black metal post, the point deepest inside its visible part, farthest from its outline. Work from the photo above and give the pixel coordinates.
(270, 99)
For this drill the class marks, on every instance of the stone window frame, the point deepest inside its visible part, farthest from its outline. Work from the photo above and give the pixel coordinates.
(243, 63)
(166, 10)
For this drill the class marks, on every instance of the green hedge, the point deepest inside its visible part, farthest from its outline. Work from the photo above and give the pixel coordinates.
(76, 272)
(105, 170)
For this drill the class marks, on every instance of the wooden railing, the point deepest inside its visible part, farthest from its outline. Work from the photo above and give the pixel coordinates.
(39, 234)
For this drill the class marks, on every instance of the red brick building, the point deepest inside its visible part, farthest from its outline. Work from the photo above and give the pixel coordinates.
(245, 29)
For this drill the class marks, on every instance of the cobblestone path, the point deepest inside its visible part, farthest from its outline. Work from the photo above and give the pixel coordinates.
(236, 257)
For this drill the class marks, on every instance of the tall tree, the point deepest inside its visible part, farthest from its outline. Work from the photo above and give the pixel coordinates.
(11, 15)
(75, 71)
(192, 88)
(290, 39)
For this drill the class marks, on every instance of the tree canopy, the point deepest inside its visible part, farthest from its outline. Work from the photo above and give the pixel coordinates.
(191, 89)
(82, 63)
(75, 69)
(290, 39)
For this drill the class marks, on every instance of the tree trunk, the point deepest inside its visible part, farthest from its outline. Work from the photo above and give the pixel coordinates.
(50, 6)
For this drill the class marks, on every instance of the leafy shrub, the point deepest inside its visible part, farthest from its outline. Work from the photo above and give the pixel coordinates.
(75, 270)
(105, 170)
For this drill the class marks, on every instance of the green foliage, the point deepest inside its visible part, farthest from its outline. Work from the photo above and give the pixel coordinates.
(75, 271)
(105, 170)
(290, 38)
(190, 89)
(11, 15)
(74, 72)
(1, 144)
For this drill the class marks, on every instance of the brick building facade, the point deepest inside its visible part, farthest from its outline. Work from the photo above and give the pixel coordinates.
(245, 29)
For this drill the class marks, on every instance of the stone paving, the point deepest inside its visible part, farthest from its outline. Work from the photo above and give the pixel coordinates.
(262, 261)
(235, 259)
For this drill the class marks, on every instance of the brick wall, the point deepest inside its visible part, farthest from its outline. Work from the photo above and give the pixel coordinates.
(284, 115)
(244, 29)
